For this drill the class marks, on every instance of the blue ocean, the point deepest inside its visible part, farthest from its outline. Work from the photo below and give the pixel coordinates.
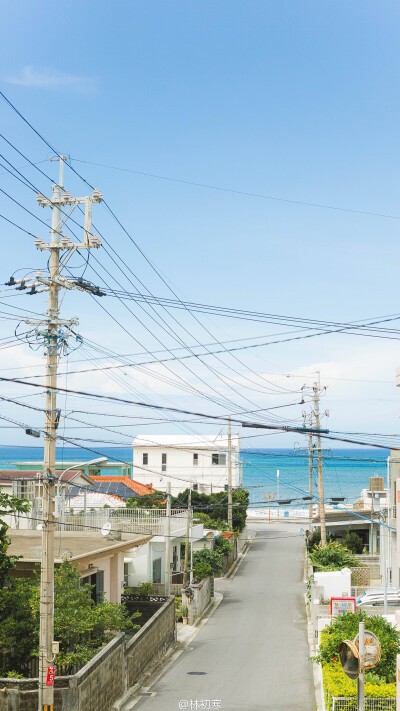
(345, 471)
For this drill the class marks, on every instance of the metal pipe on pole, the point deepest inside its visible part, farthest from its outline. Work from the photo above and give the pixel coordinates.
(361, 676)
(168, 543)
(310, 478)
(389, 506)
(384, 571)
(188, 520)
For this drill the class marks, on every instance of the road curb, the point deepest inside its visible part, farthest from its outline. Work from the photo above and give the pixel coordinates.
(317, 669)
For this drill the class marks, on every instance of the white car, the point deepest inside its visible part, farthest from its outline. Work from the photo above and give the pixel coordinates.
(376, 597)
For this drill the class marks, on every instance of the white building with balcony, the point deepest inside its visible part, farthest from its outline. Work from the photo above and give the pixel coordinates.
(184, 460)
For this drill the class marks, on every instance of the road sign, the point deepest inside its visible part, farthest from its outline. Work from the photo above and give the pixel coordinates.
(339, 605)
(51, 674)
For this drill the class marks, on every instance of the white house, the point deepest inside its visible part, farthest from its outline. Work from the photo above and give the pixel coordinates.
(184, 461)
(147, 562)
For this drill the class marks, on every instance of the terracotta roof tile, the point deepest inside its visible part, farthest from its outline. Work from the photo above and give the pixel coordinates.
(136, 486)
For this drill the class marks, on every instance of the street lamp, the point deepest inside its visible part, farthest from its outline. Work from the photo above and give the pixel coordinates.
(78, 465)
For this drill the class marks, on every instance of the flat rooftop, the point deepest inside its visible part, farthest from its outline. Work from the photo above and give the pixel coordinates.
(75, 546)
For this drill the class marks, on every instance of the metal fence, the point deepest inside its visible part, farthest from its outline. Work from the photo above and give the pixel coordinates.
(31, 668)
(343, 703)
(125, 520)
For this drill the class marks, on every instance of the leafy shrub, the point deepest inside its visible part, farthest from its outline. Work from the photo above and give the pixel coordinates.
(14, 675)
(313, 539)
(354, 542)
(332, 556)
(223, 546)
(145, 588)
(206, 562)
(184, 610)
(336, 683)
(346, 627)
(201, 570)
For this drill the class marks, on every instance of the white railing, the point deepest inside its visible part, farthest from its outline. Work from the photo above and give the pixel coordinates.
(342, 703)
(125, 520)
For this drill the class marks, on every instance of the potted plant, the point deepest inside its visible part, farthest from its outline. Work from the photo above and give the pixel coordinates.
(185, 614)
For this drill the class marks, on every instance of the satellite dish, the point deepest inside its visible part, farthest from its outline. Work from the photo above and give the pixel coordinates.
(106, 529)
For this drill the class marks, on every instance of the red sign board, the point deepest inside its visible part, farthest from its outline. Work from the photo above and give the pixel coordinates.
(51, 674)
(339, 605)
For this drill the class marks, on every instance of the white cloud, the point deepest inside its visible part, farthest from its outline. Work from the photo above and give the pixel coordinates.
(50, 79)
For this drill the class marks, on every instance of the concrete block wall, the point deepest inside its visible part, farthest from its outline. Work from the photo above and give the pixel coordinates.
(105, 678)
(202, 594)
(151, 642)
(101, 681)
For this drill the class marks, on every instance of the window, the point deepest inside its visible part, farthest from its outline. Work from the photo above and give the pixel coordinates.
(195, 487)
(23, 489)
(195, 459)
(96, 581)
(163, 462)
(218, 459)
(157, 570)
(145, 458)
(175, 558)
(126, 573)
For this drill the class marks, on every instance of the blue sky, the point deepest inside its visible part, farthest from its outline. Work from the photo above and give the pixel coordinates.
(296, 100)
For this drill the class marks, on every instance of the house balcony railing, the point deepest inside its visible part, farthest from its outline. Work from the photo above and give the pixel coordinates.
(152, 521)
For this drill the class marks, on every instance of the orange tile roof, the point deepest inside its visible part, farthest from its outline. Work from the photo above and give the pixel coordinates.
(136, 486)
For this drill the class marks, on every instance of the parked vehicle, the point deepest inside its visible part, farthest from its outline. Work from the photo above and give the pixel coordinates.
(376, 597)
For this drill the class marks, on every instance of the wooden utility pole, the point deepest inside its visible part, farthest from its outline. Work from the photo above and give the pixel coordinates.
(229, 474)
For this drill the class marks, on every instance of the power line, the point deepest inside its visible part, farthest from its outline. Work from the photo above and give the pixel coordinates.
(241, 192)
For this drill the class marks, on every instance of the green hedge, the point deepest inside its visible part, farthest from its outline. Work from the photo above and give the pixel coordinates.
(336, 683)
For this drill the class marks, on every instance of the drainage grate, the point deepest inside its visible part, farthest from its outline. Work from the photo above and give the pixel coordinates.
(197, 673)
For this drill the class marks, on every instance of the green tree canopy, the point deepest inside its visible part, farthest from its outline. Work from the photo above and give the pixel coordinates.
(215, 506)
(8, 505)
(81, 625)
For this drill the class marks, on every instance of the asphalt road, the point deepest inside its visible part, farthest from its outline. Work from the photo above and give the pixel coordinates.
(253, 651)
